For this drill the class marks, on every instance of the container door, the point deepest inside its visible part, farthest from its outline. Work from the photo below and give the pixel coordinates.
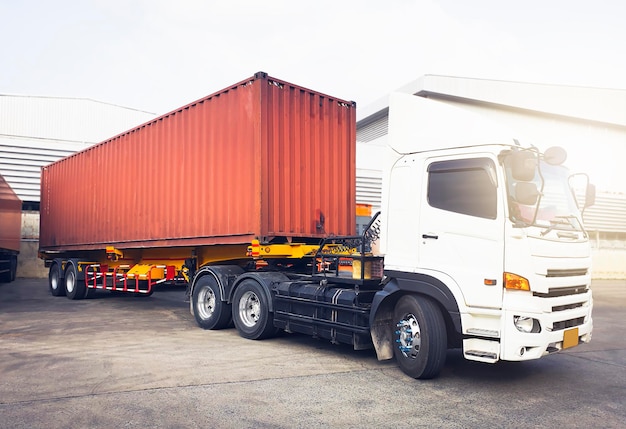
(462, 226)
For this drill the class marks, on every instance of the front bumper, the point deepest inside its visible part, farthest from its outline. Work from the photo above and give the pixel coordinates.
(564, 321)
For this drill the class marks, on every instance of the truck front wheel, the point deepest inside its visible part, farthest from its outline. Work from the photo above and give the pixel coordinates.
(251, 314)
(420, 337)
(54, 281)
(209, 310)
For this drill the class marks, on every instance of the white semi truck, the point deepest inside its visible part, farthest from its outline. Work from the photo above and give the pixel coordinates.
(480, 244)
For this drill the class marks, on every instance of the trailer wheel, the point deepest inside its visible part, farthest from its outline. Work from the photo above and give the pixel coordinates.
(208, 309)
(420, 337)
(9, 275)
(5, 277)
(54, 281)
(74, 289)
(13, 274)
(251, 314)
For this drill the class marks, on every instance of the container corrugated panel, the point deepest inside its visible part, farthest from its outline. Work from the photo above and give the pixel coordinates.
(10, 218)
(260, 159)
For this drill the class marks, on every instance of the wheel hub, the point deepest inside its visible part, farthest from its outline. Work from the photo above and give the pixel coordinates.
(69, 283)
(206, 303)
(249, 309)
(408, 336)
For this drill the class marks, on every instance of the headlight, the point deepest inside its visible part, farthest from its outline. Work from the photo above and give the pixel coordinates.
(526, 324)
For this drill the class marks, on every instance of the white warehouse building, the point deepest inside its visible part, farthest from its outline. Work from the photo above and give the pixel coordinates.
(590, 123)
(35, 131)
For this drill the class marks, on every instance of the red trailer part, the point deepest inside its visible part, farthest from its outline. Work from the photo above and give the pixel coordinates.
(262, 159)
(10, 231)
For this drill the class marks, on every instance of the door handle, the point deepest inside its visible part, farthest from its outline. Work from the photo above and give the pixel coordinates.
(433, 236)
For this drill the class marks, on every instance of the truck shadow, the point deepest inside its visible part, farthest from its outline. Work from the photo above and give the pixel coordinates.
(456, 368)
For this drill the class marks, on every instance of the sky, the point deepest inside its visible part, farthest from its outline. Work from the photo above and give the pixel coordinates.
(157, 55)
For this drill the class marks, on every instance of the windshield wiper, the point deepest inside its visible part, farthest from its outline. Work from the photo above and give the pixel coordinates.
(562, 220)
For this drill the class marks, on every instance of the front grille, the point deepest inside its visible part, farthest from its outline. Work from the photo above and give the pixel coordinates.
(567, 306)
(562, 291)
(567, 273)
(559, 326)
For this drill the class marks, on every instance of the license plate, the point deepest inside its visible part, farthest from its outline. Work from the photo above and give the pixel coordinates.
(570, 338)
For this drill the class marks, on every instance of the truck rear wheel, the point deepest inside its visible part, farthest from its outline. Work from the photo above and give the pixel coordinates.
(74, 289)
(209, 310)
(54, 281)
(251, 314)
(420, 337)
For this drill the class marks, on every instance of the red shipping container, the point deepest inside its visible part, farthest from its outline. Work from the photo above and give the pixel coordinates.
(260, 159)
(10, 218)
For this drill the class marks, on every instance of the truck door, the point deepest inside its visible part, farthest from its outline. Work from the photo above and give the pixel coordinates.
(461, 229)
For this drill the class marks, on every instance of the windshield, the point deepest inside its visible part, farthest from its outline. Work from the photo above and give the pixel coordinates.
(555, 207)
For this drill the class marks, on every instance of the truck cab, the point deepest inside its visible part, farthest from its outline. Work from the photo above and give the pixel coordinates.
(487, 232)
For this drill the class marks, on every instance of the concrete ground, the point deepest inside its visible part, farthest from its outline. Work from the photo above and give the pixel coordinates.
(127, 362)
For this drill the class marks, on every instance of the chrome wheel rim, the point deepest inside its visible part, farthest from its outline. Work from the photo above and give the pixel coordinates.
(54, 280)
(206, 303)
(409, 336)
(70, 281)
(249, 309)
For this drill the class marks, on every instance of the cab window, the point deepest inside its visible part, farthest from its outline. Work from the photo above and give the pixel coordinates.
(466, 186)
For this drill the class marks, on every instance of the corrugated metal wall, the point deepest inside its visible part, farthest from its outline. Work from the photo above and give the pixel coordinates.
(35, 131)
(368, 188)
(21, 160)
(608, 214)
(65, 119)
(371, 142)
(373, 130)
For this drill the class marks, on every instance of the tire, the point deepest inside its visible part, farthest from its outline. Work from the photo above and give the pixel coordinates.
(13, 274)
(74, 289)
(251, 314)
(420, 337)
(55, 285)
(11, 268)
(209, 310)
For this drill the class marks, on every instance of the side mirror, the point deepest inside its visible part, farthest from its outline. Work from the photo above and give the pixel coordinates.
(583, 191)
(526, 193)
(555, 155)
(523, 166)
(590, 195)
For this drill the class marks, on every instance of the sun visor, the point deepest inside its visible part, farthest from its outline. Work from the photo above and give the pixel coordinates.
(418, 124)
